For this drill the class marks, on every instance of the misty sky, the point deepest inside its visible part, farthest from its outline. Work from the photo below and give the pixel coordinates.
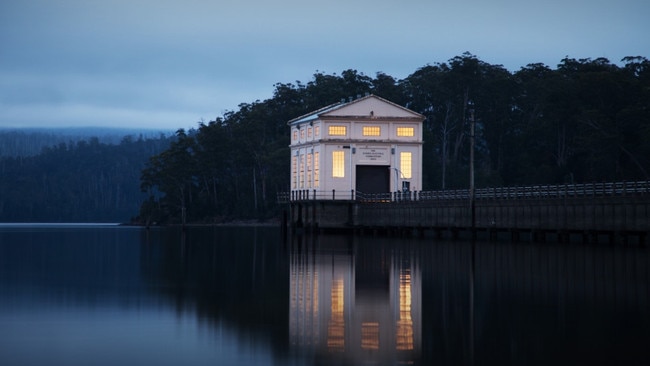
(167, 64)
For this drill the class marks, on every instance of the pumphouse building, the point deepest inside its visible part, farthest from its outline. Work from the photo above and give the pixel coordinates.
(364, 146)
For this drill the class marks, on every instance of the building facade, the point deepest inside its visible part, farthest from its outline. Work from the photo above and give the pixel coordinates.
(364, 146)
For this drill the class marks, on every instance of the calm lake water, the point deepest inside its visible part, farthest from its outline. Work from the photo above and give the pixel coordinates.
(109, 295)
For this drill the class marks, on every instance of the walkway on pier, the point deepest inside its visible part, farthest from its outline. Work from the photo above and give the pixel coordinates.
(619, 209)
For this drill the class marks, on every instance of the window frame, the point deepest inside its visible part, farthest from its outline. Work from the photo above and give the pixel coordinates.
(406, 164)
(401, 131)
(337, 130)
(338, 164)
(371, 130)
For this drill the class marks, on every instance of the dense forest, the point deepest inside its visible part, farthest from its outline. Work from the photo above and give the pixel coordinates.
(83, 180)
(585, 120)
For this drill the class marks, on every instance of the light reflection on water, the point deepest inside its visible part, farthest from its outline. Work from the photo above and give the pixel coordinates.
(354, 305)
(112, 295)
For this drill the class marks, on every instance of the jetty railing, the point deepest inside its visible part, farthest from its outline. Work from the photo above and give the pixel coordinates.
(604, 189)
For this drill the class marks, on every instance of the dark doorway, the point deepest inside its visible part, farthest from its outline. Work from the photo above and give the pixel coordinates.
(373, 179)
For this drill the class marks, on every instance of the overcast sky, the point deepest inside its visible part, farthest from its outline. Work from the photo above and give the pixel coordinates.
(168, 64)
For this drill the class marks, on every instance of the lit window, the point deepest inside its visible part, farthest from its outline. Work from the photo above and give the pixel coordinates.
(295, 135)
(308, 170)
(316, 130)
(371, 131)
(405, 131)
(294, 172)
(316, 169)
(338, 164)
(302, 171)
(309, 132)
(405, 164)
(337, 130)
(302, 134)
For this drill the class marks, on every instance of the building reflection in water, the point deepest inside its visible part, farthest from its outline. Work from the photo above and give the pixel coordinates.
(353, 302)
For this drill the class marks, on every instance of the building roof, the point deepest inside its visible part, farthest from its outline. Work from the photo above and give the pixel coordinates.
(367, 105)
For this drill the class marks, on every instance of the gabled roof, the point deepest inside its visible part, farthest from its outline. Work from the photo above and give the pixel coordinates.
(370, 105)
(314, 115)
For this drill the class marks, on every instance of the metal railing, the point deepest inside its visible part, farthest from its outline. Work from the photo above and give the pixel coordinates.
(632, 188)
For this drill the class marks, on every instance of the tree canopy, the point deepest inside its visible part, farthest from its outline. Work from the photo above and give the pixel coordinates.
(583, 121)
(586, 120)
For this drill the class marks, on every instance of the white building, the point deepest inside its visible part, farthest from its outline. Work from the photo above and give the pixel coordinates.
(368, 145)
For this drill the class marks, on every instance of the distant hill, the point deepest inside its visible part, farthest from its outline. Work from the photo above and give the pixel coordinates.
(31, 141)
(75, 175)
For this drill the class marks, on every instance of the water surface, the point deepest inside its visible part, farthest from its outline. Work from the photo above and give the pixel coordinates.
(107, 295)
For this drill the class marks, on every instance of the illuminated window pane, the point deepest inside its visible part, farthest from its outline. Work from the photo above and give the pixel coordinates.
(405, 131)
(337, 130)
(294, 172)
(309, 157)
(295, 135)
(316, 130)
(405, 164)
(371, 131)
(338, 164)
(316, 169)
(309, 133)
(302, 171)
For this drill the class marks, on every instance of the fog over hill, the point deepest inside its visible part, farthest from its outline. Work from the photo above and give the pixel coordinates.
(31, 141)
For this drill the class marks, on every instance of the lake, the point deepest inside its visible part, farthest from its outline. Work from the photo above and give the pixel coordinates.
(113, 295)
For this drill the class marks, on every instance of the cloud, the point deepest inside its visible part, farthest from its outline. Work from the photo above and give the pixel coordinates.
(107, 62)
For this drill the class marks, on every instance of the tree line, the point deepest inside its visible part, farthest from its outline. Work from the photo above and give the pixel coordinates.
(585, 120)
(78, 181)
(31, 141)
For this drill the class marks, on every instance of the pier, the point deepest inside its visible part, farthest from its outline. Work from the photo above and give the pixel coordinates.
(590, 213)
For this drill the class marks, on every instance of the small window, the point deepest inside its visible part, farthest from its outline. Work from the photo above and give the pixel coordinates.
(295, 135)
(316, 130)
(309, 132)
(337, 130)
(302, 134)
(371, 131)
(338, 164)
(405, 131)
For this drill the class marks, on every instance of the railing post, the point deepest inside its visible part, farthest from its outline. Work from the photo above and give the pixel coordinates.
(352, 194)
(333, 194)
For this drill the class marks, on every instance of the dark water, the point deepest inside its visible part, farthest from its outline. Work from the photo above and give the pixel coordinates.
(89, 295)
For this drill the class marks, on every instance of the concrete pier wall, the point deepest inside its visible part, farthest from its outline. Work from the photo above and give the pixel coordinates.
(585, 215)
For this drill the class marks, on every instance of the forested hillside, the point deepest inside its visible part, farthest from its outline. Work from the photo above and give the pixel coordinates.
(83, 181)
(585, 120)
